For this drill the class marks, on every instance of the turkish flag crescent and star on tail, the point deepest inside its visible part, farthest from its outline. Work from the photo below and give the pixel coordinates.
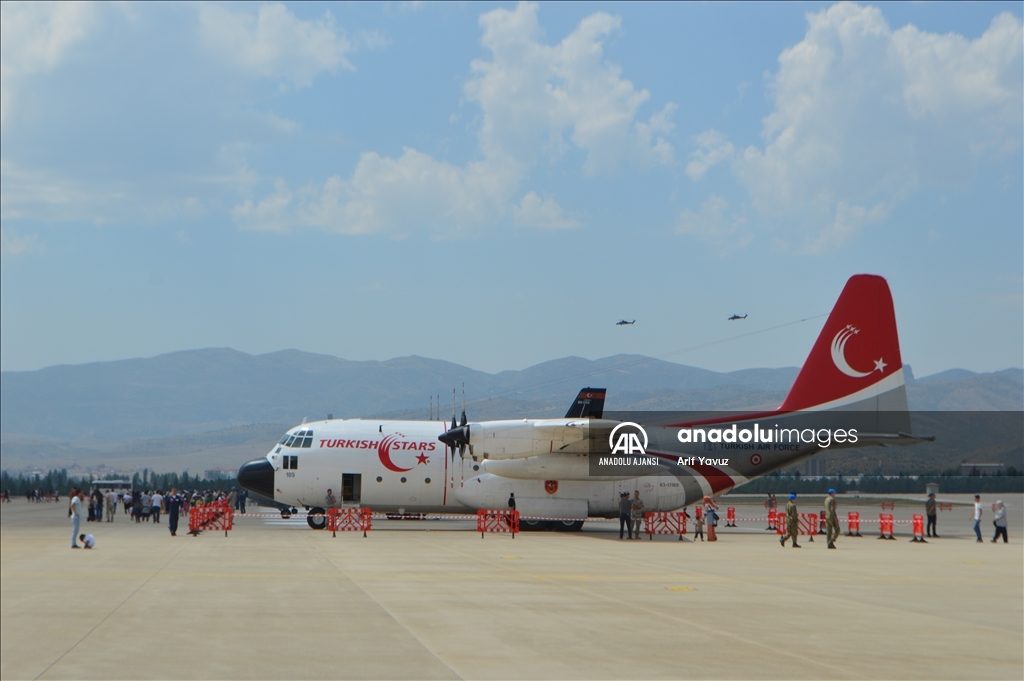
(857, 348)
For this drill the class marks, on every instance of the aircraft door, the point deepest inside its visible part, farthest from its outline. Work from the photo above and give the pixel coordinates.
(351, 488)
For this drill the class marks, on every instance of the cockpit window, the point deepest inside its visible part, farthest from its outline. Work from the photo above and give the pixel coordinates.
(300, 438)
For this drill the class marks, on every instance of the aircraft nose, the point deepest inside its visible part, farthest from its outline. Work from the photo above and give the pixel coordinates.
(257, 476)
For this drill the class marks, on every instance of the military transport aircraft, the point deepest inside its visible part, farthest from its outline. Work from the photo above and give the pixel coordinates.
(852, 381)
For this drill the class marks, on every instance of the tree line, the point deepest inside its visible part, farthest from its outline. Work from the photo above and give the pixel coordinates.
(950, 482)
(59, 481)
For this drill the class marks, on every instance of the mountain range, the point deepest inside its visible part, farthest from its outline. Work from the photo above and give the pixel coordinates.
(215, 406)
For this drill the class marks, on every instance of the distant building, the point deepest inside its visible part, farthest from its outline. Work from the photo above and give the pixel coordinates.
(814, 467)
(982, 468)
(221, 474)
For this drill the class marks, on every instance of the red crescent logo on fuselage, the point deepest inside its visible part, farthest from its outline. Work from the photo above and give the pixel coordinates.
(384, 452)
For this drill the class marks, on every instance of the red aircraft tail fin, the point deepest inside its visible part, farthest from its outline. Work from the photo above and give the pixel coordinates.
(857, 354)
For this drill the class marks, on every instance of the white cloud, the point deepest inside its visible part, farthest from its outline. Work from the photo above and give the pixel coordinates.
(533, 211)
(715, 224)
(396, 196)
(846, 224)
(35, 37)
(11, 243)
(276, 44)
(713, 148)
(864, 115)
(532, 94)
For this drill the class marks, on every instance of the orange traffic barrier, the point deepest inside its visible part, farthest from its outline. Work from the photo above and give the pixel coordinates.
(808, 524)
(215, 516)
(773, 520)
(660, 522)
(730, 517)
(349, 520)
(888, 505)
(822, 521)
(918, 529)
(885, 526)
(853, 524)
(497, 521)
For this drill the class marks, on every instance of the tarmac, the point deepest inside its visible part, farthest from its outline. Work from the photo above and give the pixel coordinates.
(432, 600)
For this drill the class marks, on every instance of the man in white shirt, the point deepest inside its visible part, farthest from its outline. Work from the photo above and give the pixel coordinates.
(977, 517)
(158, 502)
(88, 541)
(76, 516)
(111, 505)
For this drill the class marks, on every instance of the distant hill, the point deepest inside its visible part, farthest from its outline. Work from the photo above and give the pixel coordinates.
(216, 405)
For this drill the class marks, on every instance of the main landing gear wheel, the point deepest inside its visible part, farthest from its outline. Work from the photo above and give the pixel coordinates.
(569, 525)
(533, 525)
(316, 518)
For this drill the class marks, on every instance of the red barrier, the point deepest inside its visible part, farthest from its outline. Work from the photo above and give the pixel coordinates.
(918, 529)
(497, 521)
(889, 505)
(808, 524)
(659, 522)
(349, 520)
(215, 516)
(885, 526)
(773, 520)
(853, 524)
(822, 521)
(730, 517)
(781, 523)
(946, 506)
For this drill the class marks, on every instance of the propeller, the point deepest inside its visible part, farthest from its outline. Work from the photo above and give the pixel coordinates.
(458, 434)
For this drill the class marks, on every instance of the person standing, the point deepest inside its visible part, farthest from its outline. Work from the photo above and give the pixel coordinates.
(929, 510)
(77, 496)
(111, 505)
(977, 517)
(636, 512)
(1000, 522)
(241, 501)
(625, 508)
(831, 520)
(173, 509)
(330, 501)
(711, 517)
(147, 505)
(792, 528)
(157, 504)
(698, 524)
(233, 498)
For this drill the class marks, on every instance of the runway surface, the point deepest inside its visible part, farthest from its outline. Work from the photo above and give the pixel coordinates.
(432, 600)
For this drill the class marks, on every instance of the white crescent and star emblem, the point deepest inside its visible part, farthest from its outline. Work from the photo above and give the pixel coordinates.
(839, 354)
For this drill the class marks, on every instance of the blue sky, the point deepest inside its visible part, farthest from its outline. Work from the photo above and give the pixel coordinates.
(497, 184)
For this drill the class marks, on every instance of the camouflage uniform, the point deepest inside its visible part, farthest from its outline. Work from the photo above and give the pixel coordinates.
(831, 521)
(792, 528)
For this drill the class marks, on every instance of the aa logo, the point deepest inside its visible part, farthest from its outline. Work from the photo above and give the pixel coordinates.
(628, 440)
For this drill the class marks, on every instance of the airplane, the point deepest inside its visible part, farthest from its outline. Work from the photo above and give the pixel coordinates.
(736, 316)
(623, 322)
(854, 373)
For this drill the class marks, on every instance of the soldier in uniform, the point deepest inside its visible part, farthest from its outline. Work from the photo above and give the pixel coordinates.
(831, 521)
(792, 528)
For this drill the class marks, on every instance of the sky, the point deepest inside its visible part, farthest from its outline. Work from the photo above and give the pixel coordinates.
(497, 184)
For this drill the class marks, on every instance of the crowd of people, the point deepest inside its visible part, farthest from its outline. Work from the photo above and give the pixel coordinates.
(142, 506)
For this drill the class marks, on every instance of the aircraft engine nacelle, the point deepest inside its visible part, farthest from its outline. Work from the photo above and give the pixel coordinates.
(528, 437)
